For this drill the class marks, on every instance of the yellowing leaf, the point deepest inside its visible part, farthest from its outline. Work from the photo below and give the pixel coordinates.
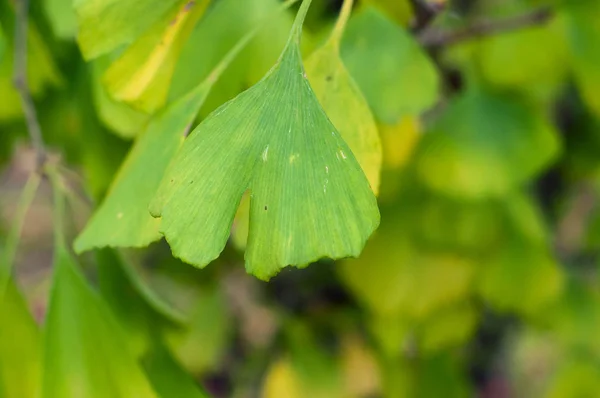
(486, 144)
(400, 10)
(104, 25)
(309, 196)
(399, 141)
(121, 118)
(142, 75)
(343, 102)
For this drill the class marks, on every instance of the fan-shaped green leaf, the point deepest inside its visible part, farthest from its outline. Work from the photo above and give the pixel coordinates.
(343, 102)
(123, 219)
(486, 144)
(309, 196)
(390, 68)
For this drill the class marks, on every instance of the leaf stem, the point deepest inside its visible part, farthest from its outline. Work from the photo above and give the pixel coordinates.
(21, 84)
(239, 46)
(299, 22)
(340, 25)
(439, 38)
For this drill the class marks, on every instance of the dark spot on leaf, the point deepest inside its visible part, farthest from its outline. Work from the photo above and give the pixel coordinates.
(265, 207)
(329, 78)
(171, 180)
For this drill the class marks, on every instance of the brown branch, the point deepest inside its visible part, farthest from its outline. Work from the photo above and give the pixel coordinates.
(439, 38)
(21, 84)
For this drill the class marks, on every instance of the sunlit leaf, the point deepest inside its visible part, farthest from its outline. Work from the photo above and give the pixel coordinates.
(123, 220)
(141, 76)
(309, 196)
(390, 68)
(121, 23)
(20, 348)
(486, 144)
(343, 102)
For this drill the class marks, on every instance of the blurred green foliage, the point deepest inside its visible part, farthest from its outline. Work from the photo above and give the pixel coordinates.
(481, 280)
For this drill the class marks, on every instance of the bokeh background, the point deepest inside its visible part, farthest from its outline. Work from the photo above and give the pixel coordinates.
(482, 280)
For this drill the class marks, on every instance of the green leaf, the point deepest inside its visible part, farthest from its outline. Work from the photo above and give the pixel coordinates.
(141, 76)
(167, 376)
(395, 276)
(230, 22)
(486, 144)
(343, 102)
(104, 25)
(85, 350)
(584, 38)
(543, 59)
(20, 347)
(400, 10)
(309, 196)
(521, 277)
(61, 17)
(393, 72)
(123, 219)
(2, 42)
(86, 354)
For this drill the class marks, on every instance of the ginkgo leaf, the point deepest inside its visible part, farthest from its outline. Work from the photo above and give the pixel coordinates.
(104, 25)
(343, 102)
(395, 75)
(309, 196)
(86, 354)
(123, 219)
(142, 74)
(345, 106)
(486, 144)
(121, 118)
(230, 22)
(20, 347)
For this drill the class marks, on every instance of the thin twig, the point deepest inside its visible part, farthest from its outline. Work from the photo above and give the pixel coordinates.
(21, 84)
(438, 38)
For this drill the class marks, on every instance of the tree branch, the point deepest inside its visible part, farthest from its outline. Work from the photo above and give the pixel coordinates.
(21, 84)
(439, 38)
